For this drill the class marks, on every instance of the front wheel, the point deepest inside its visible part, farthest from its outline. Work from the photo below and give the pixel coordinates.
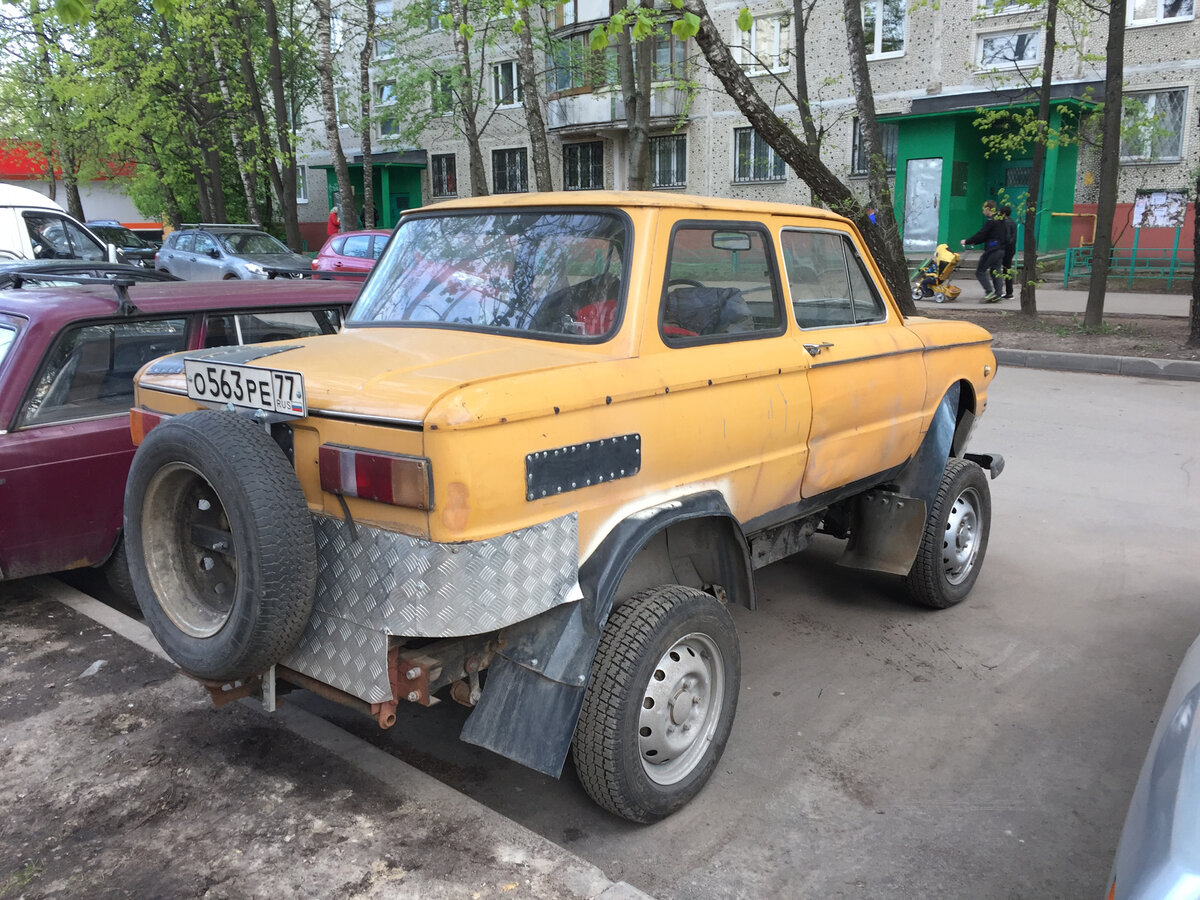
(955, 537)
(918, 292)
(660, 704)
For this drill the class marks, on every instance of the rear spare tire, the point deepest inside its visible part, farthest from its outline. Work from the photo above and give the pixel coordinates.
(220, 544)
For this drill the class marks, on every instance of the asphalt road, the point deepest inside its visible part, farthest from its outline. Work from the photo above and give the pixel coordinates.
(882, 750)
(886, 751)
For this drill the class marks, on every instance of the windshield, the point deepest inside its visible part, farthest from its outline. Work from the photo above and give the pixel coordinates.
(122, 237)
(248, 243)
(545, 273)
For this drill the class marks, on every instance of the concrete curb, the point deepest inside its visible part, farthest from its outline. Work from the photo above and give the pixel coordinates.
(1133, 366)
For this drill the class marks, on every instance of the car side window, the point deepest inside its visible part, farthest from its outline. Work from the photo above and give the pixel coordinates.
(380, 241)
(336, 246)
(186, 242)
(818, 278)
(56, 237)
(720, 281)
(204, 243)
(868, 305)
(89, 372)
(357, 245)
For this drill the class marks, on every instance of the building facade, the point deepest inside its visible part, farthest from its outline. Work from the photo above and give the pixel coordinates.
(936, 71)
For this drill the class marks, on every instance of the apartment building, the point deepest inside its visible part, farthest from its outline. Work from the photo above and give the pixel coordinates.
(933, 68)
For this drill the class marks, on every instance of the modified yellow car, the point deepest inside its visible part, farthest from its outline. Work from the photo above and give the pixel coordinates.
(555, 438)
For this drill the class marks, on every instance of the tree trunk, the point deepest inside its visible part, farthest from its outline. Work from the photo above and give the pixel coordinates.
(233, 116)
(70, 171)
(800, 29)
(462, 47)
(203, 196)
(172, 206)
(801, 157)
(287, 155)
(1029, 269)
(535, 122)
(860, 77)
(364, 89)
(346, 212)
(1194, 322)
(636, 70)
(1110, 164)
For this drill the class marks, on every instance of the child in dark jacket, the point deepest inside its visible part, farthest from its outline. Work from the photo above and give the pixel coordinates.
(991, 262)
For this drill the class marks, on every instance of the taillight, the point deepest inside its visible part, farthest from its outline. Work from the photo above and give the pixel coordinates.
(140, 423)
(398, 480)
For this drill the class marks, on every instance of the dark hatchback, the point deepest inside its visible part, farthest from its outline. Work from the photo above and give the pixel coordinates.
(67, 360)
(132, 247)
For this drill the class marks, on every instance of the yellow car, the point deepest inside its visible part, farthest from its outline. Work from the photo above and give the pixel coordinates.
(555, 438)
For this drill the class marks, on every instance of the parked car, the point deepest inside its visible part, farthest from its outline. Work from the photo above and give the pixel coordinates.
(1158, 855)
(13, 273)
(213, 253)
(352, 254)
(131, 246)
(556, 437)
(67, 360)
(33, 226)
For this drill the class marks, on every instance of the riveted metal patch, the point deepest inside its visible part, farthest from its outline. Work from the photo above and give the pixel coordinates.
(577, 466)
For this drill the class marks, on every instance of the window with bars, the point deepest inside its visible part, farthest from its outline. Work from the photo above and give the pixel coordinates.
(1152, 126)
(766, 47)
(754, 158)
(884, 23)
(510, 170)
(583, 166)
(443, 175)
(668, 161)
(1159, 12)
(507, 89)
(889, 135)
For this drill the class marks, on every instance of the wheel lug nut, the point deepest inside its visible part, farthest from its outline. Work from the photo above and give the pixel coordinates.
(204, 505)
(207, 564)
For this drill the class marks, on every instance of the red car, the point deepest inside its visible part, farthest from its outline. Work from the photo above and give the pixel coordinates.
(67, 360)
(351, 254)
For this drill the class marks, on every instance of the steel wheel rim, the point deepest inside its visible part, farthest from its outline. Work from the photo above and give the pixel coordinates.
(191, 561)
(961, 540)
(681, 708)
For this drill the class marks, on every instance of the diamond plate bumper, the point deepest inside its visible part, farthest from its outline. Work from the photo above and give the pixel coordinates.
(373, 583)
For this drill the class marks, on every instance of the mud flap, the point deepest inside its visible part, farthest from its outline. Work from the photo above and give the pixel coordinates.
(886, 524)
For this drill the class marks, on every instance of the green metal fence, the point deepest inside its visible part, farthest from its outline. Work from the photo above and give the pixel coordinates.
(1133, 264)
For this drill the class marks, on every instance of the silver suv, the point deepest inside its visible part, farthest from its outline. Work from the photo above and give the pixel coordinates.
(213, 253)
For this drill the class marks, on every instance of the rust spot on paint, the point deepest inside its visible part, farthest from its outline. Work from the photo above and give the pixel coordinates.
(456, 509)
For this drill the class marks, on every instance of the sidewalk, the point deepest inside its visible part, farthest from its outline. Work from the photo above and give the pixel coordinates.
(120, 779)
(1058, 300)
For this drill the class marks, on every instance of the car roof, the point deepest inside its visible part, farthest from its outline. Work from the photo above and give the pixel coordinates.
(58, 306)
(15, 195)
(632, 198)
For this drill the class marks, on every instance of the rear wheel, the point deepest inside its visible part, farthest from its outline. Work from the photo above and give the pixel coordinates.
(220, 544)
(660, 704)
(955, 538)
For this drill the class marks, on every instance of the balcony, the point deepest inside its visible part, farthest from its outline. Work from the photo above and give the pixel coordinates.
(604, 108)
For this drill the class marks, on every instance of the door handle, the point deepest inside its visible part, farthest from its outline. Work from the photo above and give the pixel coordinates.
(815, 349)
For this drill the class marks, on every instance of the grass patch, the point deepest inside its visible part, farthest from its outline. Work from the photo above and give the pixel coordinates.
(19, 880)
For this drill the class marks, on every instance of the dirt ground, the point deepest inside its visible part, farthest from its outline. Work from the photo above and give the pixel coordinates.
(1156, 337)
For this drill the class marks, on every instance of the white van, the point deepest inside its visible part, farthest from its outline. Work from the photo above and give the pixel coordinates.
(33, 226)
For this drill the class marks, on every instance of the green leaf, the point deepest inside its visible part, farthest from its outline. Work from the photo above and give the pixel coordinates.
(518, 26)
(642, 29)
(467, 31)
(678, 4)
(745, 19)
(446, 21)
(73, 11)
(598, 38)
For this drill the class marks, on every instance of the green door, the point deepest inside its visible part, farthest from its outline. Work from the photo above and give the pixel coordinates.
(1009, 186)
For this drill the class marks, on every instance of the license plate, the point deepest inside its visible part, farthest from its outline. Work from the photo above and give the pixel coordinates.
(250, 387)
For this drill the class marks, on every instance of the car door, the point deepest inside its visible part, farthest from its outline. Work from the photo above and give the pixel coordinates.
(207, 261)
(867, 373)
(177, 256)
(64, 461)
(356, 254)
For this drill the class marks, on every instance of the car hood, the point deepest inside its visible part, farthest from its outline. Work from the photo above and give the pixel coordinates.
(441, 377)
(280, 260)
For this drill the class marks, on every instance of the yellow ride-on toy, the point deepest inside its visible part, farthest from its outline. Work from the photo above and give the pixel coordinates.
(933, 278)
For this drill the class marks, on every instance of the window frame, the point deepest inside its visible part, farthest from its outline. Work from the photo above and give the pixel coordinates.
(1180, 133)
(301, 183)
(984, 36)
(877, 52)
(594, 167)
(496, 168)
(450, 185)
(746, 52)
(677, 139)
(676, 342)
(1158, 19)
(890, 142)
(777, 162)
(518, 88)
(1008, 8)
(441, 93)
(388, 40)
(846, 243)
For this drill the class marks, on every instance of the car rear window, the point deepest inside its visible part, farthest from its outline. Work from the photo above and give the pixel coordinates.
(8, 334)
(557, 274)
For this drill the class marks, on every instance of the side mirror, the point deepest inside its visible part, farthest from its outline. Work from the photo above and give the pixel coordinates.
(214, 253)
(111, 251)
